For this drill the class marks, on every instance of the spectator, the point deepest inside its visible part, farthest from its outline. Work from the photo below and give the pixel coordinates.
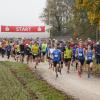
(97, 52)
(8, 50)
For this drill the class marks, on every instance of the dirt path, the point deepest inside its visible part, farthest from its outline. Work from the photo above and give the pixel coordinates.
(81, 88)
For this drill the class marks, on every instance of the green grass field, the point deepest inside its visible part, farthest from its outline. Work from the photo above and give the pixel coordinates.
(18, 82)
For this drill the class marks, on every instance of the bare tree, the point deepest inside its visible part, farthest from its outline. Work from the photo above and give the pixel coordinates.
(57, 13)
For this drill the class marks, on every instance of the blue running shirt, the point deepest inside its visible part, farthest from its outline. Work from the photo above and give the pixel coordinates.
(56, 55)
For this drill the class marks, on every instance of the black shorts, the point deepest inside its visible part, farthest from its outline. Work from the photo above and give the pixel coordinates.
(73, 58)
(43, 53)
(55, 63)
(81, 61)
(89, 61)
(29, 54)
(35, 56)
(14, 52)
(61, 62)
(18, 53)
(22, 53)
(67, 60)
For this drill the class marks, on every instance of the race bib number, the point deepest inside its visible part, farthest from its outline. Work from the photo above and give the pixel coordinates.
(80, 54)
(35, 54)
(90, 57)
(56, 55)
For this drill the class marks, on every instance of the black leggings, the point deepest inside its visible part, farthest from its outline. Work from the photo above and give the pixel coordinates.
(2, 52)
(98, 59)
(8, 54)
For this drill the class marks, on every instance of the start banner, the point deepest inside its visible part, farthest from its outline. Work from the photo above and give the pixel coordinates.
(22, 28)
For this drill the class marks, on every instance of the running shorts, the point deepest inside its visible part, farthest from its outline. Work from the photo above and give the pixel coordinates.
(81, 60)
(35, 56)
(67, 60)
(55, 63)
(89, 61)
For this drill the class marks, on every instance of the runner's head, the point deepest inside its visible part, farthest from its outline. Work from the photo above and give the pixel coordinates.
(68, 46)
(52, 46)
(80, 43)
(89, 47)
(98, 43)
(56, 46)
(44, 41)
(75, 45)
(27, 45)
(35, 43)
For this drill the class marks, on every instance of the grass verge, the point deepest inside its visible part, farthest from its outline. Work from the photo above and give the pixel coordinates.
(18, 82)
(96, 70)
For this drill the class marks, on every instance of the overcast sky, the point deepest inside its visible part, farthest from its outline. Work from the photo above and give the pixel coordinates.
(21, 12)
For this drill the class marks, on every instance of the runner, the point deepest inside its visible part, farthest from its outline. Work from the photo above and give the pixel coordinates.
(50, 56)
(31, 55)
(35, 52)
(68, 57)
(28, 53)
(56, 60)
(8, 50)
(74, 58)
(62, 49)
(43, 50)
(80, 57)
(22, 51)
(14, 51)
(97, 52)
(17, 52)
(89, 60)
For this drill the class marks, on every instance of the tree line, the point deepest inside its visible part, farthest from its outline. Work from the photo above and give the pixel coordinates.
(72, 17)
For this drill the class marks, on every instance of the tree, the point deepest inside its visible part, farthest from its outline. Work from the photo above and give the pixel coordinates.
(56, 14)
(92, 9)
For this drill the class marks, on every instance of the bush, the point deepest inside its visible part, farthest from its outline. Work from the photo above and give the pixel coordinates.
(96, 70)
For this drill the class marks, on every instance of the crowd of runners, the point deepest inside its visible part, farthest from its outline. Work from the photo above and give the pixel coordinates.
(57, 53)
